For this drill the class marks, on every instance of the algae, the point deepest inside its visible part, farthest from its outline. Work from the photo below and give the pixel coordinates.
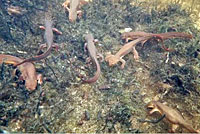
(63, 103)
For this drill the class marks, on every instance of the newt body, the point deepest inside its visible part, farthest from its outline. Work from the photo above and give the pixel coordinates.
(28, 71)
(55, 30)
(164, 36)
(49, 40)
(171, 116)
(127, 48)
(73, 7)
(73, 10)
(93, 55)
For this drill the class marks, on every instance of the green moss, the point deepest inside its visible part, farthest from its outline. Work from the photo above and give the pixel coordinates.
(62, 102)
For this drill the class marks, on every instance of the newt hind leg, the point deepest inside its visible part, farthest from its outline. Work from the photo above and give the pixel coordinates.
(135, 54)
(173, 128)
(79, 14)
(99, 55)
(42, 46)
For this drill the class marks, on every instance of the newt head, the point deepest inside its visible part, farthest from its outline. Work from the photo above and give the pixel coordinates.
(125, 36)
(111, 59)
(152, 106)
(31, 85)
(28, 73)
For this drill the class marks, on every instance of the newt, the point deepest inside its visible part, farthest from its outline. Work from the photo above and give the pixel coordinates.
(49, 41)
(28, 71)
(93, 55)
(127, 48)
(171, 115)
(73, 7)
(164, 36)
(134, 35)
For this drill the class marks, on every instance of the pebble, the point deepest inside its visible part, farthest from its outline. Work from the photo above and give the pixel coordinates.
(128, 29)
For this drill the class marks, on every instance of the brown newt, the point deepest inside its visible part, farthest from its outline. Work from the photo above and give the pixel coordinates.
(134, 35)
(164, 36)
(93, 55)
(73, 7)
(127, 48)
(49, 41)
(28, 71)
(171, 115)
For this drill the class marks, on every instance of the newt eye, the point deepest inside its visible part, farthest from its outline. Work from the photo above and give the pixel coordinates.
(149, 108)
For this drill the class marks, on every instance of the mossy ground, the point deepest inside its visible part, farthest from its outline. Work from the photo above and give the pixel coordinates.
(64, 104)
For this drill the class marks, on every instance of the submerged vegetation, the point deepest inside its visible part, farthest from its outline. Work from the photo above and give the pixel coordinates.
(118, 99)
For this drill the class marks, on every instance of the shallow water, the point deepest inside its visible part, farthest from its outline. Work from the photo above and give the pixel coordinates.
(118, 99)
(191, 6)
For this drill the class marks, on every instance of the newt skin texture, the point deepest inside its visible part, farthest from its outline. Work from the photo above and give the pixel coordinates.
(28, 71)
(171, 115)
(127, 48)
(93, 55)
(164, 36)
(73, 7)
(49, 41)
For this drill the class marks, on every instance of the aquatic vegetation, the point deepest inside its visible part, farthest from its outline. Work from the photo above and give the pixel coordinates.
(62, 103)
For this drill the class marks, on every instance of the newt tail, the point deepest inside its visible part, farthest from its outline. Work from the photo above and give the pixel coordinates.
(93, 55)
(96, 76)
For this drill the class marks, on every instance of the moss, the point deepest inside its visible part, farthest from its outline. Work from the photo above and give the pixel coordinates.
(63, 103)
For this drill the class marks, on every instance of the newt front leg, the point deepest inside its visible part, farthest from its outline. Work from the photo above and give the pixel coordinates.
(123, 63)
(135, 54)
(100, 56)
(114, 59)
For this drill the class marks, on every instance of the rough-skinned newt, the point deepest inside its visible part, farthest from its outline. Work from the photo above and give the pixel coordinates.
(171, 115)
(93, 55)
(127, 48)
(164, 36)
(134, 35)
(28, 71)
(49, 41)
